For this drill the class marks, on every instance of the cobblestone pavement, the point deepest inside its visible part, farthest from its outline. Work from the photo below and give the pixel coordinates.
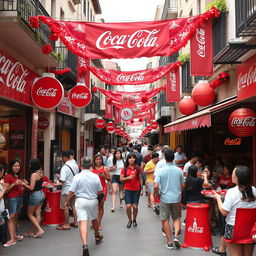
(145, 240)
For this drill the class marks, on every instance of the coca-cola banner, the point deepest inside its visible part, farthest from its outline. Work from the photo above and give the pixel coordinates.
(117, 116)
(83, 76)
(116, 77)
(80, 96)
(246, 79)
(201, 51)
(108, 110)
(152, 113)
(127, 40)
(67, 108)
(15, 79)
(173, 86)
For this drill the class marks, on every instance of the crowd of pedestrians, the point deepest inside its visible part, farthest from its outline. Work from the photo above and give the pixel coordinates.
(125, 173)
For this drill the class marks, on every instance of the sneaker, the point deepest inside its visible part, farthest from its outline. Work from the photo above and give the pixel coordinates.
(163, 232)
(85, 250)
(169, 246)
(176, 242)
(156, 210)
(129, 224)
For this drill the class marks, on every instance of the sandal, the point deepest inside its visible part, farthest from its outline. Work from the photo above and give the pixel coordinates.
(216, 250)
(8, 244)
(19, 238)
(74, 225)
(98, 238)
(28, 234)
(38, 234)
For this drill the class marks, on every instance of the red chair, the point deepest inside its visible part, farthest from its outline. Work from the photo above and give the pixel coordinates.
(244, 223)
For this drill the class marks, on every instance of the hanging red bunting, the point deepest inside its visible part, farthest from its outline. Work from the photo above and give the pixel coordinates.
(201, 51)
(83, 75)
(108, 110)
(117, 116)
(127, 40)
(173, 86)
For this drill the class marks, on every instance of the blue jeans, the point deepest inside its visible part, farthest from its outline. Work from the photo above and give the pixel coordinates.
(14, 204)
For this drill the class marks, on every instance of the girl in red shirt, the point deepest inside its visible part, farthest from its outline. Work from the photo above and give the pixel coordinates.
(131, 175)
(101, 170)
(14, 193)
(226, 179)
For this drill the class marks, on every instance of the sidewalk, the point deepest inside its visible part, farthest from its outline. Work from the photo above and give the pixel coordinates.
(145, 240)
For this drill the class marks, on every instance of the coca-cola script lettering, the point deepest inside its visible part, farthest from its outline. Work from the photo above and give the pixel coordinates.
(246, 79)
(173, 81)
(130, 78)
(233, 142)
(200, 37)
(249, 121)
(80, 96)
(51, 92)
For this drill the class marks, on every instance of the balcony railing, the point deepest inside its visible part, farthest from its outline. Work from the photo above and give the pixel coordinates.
(26, 9)
(186, 78)
(245, 18)
(94, 106)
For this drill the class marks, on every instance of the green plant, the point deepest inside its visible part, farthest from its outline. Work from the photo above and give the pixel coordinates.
(58, 56)
(185, 57)
(219, 4)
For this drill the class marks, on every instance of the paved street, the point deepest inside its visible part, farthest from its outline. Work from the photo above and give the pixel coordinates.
(145, 240)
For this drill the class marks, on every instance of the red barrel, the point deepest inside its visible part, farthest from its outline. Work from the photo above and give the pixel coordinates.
(197, 230)
(53, 215)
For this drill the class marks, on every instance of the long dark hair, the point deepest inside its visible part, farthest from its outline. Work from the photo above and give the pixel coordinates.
(94, 158)
(210, 168)
(244, 183)
(192, 175)
(114, 157)
(35, 165)
(131, 155)
(11, 164)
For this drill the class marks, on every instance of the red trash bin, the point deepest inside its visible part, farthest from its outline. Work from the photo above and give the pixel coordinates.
(53, 215)
(197, 230)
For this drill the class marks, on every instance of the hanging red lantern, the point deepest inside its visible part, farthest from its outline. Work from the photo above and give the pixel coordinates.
(140, 120)
(110, 127)
(132, 121)
(203, 95)
(154, 125)
(187, 106)
(242, 122)
(100, 123)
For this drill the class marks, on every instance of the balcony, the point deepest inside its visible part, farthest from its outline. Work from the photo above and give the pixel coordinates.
(186, 78)
(94, 106)
(19, 36)
(170, 10)
(245, 18)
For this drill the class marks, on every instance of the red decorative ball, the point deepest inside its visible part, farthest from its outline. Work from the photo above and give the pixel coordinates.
(132, 121)
(242, 122)
(203, 95)
(47, 49)
(95, 89)
(187, 106)
(144, 99)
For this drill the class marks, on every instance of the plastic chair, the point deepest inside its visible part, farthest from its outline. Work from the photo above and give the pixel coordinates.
(245, 220)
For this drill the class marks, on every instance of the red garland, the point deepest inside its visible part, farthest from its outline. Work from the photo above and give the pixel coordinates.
(60, 72)
(144, 99)
(109, 101)
(95, 89)
(47, 49)
(83, 71)
(34, 22)
(54, 37)
(222, 77)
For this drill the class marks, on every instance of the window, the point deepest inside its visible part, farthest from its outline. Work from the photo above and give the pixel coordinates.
(85, 7)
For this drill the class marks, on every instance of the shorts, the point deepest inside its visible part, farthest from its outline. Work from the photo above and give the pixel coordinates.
(36, 198)
(150, 186)
(116, 179)
(14, 204)
(166, 210)
(63, 200)
(132, 197)
(229, 229)
(105, 191)
(86, 209)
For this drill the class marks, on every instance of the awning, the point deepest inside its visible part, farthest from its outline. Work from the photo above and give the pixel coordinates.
(199, 119)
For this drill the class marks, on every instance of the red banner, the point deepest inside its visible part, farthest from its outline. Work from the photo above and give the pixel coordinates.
(246, 82)
(117, 116)
(201, 51)
(173, 86)
(83, 77)
(108, 110)
(116, 77)
(152, 113)
(127, 40)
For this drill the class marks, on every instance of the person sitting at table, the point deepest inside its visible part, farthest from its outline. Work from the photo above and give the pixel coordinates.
(208, 169)
(243, 195)
(225, 180)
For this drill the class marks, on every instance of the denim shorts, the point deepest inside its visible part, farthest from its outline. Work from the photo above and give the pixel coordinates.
(14, 204)
(36, 198)
(150, 187)
(132, 197)
(116, 179)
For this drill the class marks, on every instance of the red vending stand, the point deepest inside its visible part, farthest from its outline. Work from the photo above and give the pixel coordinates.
(197, 230)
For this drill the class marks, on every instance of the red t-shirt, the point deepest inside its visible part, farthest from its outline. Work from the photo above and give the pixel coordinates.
(226, 181)
(102, 179)
(147, 158)
(17, 190)
(133, 184)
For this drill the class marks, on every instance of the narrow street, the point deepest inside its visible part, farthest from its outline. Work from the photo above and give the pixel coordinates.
(145, 240)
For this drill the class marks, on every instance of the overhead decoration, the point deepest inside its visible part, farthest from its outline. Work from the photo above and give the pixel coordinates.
(116, 77)
(46, 49)
(108, 109)
(242, 122)
(222, 77)
(83, 76)
(154, 125)
(187, 106)
(80, 96)
(203, 95)
(173, 85)
(152, 113)
(126, 114)
(126, 40)
(60, 71)
(117, 115)
(110, 127)
(100, 123)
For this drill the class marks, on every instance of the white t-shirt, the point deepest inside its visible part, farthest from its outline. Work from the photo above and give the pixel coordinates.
(178, 156)
(186, 166)
(110, 159)
(119, 167)
(67, 176)
(1, 201)
(144, 150)
(233, 201)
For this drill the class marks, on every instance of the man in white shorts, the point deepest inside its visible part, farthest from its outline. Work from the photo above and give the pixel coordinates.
(86, 186)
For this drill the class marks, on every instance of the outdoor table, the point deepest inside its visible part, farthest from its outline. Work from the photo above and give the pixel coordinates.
(210, 193)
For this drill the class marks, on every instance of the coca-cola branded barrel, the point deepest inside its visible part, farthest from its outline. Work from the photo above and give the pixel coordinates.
(242, 122)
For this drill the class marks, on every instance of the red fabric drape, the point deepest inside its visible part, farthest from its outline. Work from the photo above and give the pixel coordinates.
(173, 86)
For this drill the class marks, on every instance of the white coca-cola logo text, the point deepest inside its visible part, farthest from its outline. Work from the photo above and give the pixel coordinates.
(43, 123)
(248, 121)
(80, 96)
(200, 38)
(134, 96)
(173, 81)
(51, 92)
(140, 38)
(194, 228)
(14, 74)
(130, 78)
(246, 79)
(17, 137)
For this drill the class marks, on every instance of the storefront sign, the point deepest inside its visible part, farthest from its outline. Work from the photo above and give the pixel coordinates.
(43, 123)
(246, 79)
(232, 142)
(126, 114)
(15, 79)
(47, 92)
(80, 96)
(100, 123)
(154, 125)
(110, 127)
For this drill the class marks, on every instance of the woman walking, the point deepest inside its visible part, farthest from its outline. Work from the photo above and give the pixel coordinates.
(36, 198)
(14, 193)
(115, 168)
(101, 170)
(131, 175)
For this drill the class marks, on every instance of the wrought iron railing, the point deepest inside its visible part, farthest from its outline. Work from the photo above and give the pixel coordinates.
(186, 78)
(94, 106)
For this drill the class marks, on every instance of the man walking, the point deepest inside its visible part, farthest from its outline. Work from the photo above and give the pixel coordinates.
(67, 173)
(171, 181)
(86, 186)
